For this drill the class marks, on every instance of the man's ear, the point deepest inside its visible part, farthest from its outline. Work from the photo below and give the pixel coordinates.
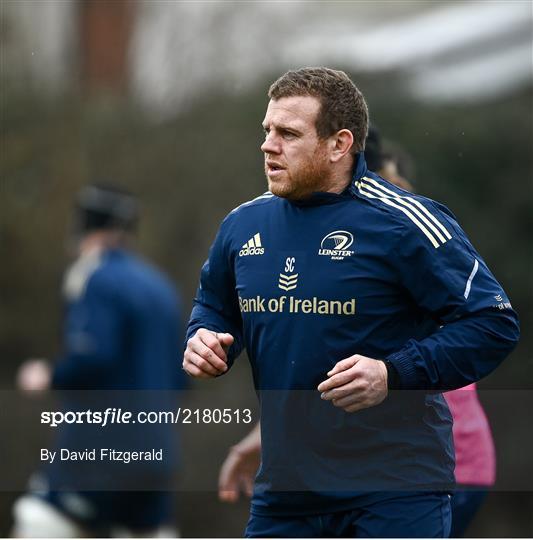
(341, 143)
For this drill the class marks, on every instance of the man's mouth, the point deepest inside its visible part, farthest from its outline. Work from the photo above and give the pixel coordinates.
(273, 167)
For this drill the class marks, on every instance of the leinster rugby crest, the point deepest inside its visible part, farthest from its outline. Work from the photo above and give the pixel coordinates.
(336, 245)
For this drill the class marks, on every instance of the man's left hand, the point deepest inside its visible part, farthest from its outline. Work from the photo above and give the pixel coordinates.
(355, 383)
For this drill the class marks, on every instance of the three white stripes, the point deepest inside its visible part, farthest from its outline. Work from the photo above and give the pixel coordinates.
(435, 231)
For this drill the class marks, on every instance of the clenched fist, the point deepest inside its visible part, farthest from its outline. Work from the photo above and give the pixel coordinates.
(356, 383)
(205, 355)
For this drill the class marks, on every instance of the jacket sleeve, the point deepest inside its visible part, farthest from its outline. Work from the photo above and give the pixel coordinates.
(92, 343)
(215, 305)
(451, 284)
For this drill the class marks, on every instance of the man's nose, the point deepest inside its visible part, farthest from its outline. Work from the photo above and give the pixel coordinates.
(271, 145)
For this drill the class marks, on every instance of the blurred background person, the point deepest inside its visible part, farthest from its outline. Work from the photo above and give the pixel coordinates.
(475, 467)
(121, 340)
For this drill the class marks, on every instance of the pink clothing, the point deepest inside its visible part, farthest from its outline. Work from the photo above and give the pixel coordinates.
(474, 448)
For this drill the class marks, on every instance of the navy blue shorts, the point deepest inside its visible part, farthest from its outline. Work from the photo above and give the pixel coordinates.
(414, 515)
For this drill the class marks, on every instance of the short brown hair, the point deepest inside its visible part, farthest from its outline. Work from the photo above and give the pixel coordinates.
(342, 103)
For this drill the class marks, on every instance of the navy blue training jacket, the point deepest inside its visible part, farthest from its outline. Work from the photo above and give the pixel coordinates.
(122, 327)
(121, 345)
(375, 271)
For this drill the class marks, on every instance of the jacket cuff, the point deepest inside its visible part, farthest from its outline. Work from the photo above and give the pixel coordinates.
(405, 366)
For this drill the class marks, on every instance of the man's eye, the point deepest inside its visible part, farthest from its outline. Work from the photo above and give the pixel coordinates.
(289, 135)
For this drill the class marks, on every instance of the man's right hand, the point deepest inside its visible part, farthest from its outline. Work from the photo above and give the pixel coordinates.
(205, 355)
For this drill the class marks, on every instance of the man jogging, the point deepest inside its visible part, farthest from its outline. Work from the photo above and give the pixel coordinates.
(343, 287)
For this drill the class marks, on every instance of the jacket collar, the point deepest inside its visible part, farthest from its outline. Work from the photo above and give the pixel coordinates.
(360, 169)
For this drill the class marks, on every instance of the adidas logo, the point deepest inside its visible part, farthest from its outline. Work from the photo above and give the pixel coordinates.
(252, 247)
